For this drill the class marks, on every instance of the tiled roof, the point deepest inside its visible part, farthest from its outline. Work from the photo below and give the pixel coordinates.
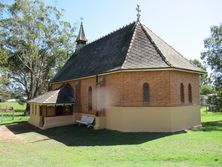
(131, 47)
(171, 55)
(63, 95)
(142, 52)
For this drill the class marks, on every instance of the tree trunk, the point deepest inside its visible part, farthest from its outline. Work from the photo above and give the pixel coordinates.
(27, 109)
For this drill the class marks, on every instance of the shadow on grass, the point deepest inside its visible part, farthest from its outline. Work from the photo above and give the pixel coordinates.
(210, 126)
(82, 136)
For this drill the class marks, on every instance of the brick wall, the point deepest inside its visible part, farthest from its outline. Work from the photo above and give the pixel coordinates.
(159, 85)
(85, 84)
(126, 89)
(176, 78)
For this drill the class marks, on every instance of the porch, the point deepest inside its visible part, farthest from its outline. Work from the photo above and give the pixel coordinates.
(49, 116)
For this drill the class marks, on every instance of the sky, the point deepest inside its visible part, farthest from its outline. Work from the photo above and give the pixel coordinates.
(183, 24)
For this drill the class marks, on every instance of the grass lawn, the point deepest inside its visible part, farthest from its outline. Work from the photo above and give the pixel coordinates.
(8, 116)
(74, 146)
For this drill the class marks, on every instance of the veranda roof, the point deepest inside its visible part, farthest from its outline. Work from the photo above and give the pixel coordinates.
(63, 95)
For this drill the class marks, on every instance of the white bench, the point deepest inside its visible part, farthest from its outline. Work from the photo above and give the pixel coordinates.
(86, 120)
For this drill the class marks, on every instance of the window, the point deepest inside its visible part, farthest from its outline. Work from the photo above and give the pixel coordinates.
(63, 110)
(146, 93)
(90, 98)
(182, 92)
(190, 93)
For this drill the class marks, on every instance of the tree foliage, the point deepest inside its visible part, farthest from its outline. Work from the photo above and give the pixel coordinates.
(36, 42)
(204, 79)
(4, 80)
(212, 56)
(207, 89)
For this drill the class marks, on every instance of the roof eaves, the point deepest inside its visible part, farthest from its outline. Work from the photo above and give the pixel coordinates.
(131, 70)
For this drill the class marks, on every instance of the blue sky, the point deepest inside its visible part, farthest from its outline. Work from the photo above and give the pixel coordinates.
(184, 24)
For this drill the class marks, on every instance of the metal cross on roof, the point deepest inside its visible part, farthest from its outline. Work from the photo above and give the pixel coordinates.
(138, 12)
(81, 18)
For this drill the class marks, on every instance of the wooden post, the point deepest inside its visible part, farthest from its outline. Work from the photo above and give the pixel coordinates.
(46, 114)
(13, 114)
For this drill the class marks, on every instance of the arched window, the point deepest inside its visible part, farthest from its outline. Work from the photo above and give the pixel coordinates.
(146, 92)
(90, 98)
(190, 93)
(182, 92)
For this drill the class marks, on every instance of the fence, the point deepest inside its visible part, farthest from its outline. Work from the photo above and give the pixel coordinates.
(7, 112)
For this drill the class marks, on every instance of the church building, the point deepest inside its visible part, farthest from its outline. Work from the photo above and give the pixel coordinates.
(129, 80)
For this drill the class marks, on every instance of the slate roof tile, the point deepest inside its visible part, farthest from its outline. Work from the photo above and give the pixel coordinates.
(131, 47)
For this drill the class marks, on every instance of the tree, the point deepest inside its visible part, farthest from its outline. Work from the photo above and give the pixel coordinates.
(205, 80)
(4, 81)
(37, 42)
(212, 56)
(206, 90)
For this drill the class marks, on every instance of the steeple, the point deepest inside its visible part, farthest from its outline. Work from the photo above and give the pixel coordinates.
(81, 38)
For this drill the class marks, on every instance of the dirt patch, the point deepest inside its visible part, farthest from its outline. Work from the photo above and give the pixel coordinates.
(7, 135)
(21, 131)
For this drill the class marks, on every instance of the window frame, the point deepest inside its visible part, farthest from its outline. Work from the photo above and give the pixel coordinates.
(182, 96)
(146, 93)
(190, 93)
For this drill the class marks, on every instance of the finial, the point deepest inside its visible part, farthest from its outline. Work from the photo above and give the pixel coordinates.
(138, 12)
(81, 18)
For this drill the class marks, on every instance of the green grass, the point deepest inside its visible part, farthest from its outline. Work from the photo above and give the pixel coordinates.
(210, 116)
(79, 147)
(8, 116)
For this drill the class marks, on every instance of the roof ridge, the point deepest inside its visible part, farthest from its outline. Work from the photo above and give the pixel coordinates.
(107, 35)
(51, 96)
(130, 44)
(42, 95)
(157, 48)
(169, 45)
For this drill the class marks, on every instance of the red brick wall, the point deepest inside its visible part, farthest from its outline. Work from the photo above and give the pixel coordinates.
(85, 84)
(113, 90)
(133, 88)
(176, 78)
(126, 89)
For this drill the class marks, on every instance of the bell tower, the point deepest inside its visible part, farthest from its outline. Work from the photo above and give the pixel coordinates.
(81, 38)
